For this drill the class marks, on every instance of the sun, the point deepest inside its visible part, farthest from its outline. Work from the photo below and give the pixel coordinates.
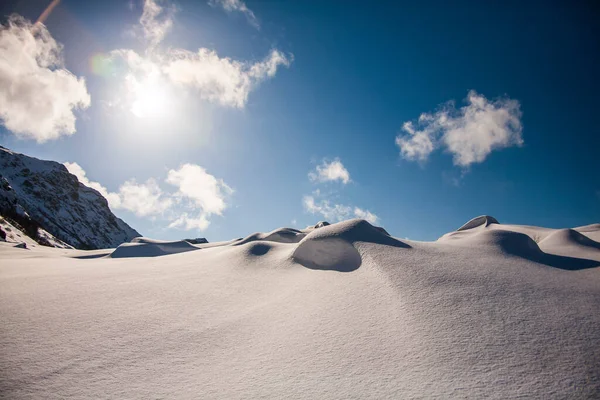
(151, 100)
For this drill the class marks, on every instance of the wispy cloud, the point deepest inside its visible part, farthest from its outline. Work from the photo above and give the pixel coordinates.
(330, 171)
(198, 196)
(38, 95)
(470, 133)
(453, 178)
(365, 214)
(156, 21)
(188, 223)
(320, 203)
(237, 6)
(336, 212)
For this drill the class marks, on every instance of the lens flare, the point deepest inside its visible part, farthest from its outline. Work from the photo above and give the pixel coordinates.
(47, 12)
(102, 65)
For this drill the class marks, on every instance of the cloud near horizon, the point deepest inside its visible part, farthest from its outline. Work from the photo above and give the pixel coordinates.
(237, 6)
(200, 187)
(198, 193)
(319, 203)
(38, 95)
(336, 212)
(330, 172)
(470, 133)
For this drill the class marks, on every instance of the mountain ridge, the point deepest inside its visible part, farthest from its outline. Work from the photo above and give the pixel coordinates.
(44, 193)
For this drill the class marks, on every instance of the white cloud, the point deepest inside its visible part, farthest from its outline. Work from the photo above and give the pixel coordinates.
(331, 171)
(216, 79)
(239, 6)
(202, 188)
(144, 199)
(336, 212)
(318, 202)
(470, 133)
(188, 223)
(220, 80)
(37, 94)
(113, 198)
(156, 21)
(417, 145)
(365, 214)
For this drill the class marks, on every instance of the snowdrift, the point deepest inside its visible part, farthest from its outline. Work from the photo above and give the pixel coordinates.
(568, 238)
(281, 235)
(332, 311)
(145, 247)
(331, 246)
(558, 248)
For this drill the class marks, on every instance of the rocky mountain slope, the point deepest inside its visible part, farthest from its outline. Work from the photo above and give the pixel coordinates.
(43, 194)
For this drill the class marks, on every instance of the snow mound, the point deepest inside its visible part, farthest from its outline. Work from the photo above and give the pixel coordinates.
(328, 254)
(482, 220)
(568, 237)
(591, 231)
(142, 239)
(509, 242)
(281, 235)
(588, 228)
(145, 247)
(331, 247)
(564, 248)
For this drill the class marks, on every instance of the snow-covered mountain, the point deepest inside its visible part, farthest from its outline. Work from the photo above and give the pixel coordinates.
(43, 193)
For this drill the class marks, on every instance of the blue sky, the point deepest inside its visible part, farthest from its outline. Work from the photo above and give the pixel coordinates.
(295, 116)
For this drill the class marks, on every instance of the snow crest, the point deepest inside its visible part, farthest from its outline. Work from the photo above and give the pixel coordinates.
(145, 247)
(481, 221)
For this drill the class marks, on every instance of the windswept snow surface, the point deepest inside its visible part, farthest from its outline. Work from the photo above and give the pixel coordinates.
(330, 312)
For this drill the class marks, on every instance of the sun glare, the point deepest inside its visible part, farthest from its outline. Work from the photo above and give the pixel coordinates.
(151, 100)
